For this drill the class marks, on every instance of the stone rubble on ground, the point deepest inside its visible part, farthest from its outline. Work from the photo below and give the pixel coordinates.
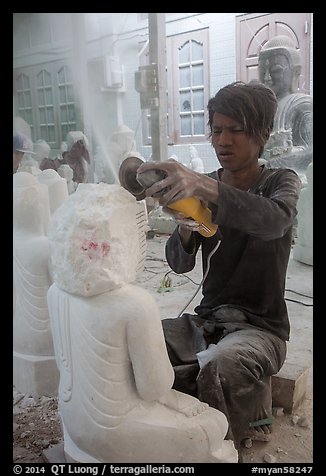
(277, 411)
(268, 458)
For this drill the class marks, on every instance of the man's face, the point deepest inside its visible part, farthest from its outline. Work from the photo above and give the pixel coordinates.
(77, 150)
(234, 148)
(276, 73)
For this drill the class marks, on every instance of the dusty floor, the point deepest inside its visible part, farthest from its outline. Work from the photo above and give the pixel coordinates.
(36, 424)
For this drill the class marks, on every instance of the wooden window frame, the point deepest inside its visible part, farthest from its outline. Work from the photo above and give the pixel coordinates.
(173, 43)
(36, 126)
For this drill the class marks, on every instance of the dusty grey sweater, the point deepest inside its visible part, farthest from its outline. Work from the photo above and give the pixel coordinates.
(248, 271)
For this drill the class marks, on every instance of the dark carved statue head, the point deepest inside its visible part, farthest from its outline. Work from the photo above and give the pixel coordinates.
(279, 65)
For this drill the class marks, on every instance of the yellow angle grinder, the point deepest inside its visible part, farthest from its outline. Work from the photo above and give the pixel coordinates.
(137, 184)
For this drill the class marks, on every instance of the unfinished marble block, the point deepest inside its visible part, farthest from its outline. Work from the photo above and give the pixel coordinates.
(289, 387)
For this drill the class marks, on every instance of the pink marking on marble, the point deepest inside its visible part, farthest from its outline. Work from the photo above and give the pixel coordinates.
(95, 250)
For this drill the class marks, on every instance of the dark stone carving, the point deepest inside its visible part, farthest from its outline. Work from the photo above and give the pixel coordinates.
(291, 142)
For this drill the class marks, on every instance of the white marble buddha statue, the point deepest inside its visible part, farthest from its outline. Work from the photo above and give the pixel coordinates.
(57, 187)
(34, 367)
(115, 397)
(303, 248)
(67, 173)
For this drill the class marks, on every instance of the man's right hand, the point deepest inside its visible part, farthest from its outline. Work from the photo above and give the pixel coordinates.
(179, 182)
(183, 221)
(185, 228)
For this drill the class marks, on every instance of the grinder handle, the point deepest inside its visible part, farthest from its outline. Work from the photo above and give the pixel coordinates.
(193, 207)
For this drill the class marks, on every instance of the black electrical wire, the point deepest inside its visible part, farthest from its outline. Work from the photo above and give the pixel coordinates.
(300, 294)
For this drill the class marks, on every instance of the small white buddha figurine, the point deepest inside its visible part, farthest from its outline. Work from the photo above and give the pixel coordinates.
(67, 173)
(42, 150)
(115, 397)
(303, 248)
(120, 145)
(34, 368)
(196, 162)
(57, 187)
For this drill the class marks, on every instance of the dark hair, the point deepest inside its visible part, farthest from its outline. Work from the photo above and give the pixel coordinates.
(252, 104)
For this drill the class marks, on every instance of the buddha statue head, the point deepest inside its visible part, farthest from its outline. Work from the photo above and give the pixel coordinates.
(42, 150)
(31, 209)
(279, 65)
(94, 240)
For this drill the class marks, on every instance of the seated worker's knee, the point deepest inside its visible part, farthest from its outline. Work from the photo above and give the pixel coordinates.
(233, 365)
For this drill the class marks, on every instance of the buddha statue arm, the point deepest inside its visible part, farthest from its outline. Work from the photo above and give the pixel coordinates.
(183, 403)
(152, 369)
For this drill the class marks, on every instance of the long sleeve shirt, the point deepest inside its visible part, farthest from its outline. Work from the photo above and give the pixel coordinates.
(248, 270)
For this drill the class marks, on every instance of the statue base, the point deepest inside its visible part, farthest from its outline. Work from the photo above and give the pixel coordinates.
(36, 376)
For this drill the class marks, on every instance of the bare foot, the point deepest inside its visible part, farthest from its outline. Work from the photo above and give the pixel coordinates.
(259, 433)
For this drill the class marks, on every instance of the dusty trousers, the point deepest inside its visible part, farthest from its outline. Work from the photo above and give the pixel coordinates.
(224, 361)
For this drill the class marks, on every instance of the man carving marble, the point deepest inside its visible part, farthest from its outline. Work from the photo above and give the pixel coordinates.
(115, 397)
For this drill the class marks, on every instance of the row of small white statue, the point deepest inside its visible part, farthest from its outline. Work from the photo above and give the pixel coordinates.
(29, 164)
